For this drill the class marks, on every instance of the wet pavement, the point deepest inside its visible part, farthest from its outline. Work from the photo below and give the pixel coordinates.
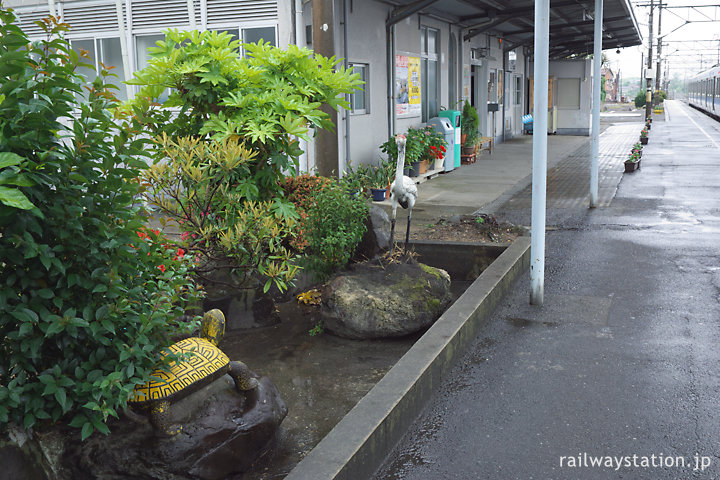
(620, 366)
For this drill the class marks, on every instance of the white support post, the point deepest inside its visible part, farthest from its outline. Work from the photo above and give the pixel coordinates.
(539, 167)
(191, 14)
(597, 82)
(123, 46)
(52, 9)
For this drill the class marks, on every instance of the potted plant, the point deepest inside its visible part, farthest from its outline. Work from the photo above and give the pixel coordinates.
(637, 148)
(417, 148)
(434, 148)
(413, 151)
(643, 136)
(356, 181)
(470, 122)
(633, 161)
(379, 180)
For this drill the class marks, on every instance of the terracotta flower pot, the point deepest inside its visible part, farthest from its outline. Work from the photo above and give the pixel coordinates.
(423, 166)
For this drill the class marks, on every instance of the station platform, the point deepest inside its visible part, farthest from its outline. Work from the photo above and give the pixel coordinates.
(502, 180)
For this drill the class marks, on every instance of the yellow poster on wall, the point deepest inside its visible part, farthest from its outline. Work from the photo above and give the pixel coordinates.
(408, 86)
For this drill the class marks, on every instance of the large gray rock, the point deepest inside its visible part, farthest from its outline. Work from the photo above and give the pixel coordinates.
(377, 301)
(223, 433)
(377, 234)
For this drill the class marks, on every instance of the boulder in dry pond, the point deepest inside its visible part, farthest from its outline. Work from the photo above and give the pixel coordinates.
(377, 300)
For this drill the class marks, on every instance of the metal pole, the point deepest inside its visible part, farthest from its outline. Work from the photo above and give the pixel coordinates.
(390, 44)
(539, 168)
(595, 141)
(346, 47)
(659, 46)
(648, 80)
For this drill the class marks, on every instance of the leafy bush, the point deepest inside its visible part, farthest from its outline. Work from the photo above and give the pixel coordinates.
(335, 224)
(199, 187)
(301, 191)
(268, 99)
(659, 97)
(331, 223)
(87, 297)
(640, 99)
(470, 123)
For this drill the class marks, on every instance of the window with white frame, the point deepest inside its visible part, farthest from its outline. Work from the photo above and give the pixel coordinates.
(358, 100)
(142, 55)
(267, 34)
(94, 21)
(518, 90)
(103, 52)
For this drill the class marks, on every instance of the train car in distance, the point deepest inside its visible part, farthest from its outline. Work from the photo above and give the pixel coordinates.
(704, 92)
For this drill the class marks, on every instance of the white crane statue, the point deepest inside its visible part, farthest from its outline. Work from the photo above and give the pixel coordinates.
(403, 191)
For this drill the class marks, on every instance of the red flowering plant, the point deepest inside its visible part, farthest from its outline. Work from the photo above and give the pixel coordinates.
(166, 256)
(434, 144)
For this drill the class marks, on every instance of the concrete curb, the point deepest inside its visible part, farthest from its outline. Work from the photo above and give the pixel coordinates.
(359, 443)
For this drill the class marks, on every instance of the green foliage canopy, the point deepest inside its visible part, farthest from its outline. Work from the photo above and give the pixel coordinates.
(88, 299)
(267, 100)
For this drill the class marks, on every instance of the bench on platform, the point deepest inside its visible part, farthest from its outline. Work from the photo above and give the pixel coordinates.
(482, 141)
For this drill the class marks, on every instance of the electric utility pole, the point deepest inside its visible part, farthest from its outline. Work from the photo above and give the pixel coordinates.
(659, 47)
(648, 78)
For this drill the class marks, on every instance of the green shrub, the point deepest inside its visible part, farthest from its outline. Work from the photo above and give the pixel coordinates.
(268, 99)
(659, 97)
(334, 226)
(87, 297)
(198, 187)
(640, 99)
(470, 123)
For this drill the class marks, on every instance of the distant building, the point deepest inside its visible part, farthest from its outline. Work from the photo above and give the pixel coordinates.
(612, 84)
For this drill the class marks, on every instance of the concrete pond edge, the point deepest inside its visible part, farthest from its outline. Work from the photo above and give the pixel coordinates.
(359, 443)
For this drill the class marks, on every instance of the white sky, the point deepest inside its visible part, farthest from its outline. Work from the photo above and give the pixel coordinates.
(684, 59)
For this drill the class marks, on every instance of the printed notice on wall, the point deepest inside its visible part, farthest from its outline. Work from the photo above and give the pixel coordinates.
(407, 86)
(466, 83)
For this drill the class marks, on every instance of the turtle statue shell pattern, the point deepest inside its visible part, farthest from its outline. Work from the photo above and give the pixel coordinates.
(207, 364)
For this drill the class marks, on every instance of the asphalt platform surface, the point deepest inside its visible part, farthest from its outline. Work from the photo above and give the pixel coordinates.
(620, 366)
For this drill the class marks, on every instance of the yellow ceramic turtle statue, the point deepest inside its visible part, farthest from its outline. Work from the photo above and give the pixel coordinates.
(207, 364)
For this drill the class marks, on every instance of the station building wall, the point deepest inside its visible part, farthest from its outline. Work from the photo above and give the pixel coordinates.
(479, 70)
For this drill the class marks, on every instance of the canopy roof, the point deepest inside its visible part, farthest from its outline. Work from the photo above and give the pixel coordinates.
(571, 22)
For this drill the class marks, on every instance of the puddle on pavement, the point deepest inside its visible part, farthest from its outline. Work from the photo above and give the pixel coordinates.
(523, 322)
(321, 378)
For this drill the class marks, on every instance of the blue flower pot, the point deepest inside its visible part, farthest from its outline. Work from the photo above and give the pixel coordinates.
(378, 194)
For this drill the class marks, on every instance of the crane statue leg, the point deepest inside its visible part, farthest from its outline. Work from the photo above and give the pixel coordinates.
(392, 225)
(407, 233)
